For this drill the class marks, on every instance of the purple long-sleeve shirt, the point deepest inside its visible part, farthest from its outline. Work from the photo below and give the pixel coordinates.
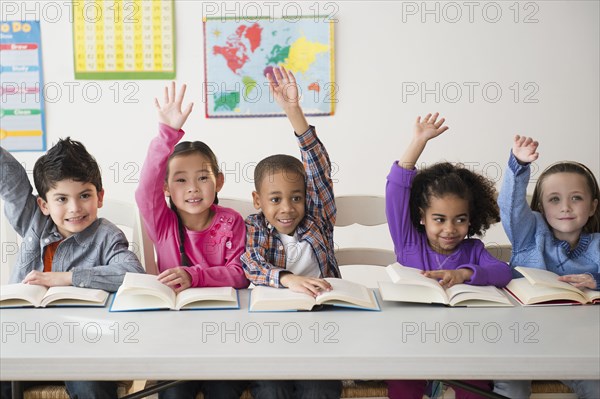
(413, 250)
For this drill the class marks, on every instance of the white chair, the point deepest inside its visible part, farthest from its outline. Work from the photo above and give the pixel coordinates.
(355, 261)
(127, 217)
(502, 252)
(9, 246)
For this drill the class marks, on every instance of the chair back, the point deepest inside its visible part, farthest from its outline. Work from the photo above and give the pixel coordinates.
(365, 211)
(127, 217)
(9, 246)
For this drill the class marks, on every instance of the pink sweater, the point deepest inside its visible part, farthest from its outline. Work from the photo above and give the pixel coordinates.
(214, 252)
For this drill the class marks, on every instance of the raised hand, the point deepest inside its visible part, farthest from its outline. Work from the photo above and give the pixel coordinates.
(283, 87)
(170, 112)
(525, 149)
(425, 129)
(429, 127)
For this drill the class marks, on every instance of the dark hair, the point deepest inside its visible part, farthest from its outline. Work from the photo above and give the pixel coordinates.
(445, 178)
(185, 148)
(67, 159)
(278, 163)
(593, 224)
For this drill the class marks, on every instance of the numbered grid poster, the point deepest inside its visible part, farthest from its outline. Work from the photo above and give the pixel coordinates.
(22, 126)
(239, 53)
(124, 39)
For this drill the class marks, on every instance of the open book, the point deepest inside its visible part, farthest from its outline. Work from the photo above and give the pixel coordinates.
(145, 292)
(542, 287)
(29, 295)
(344, 293)
(409, 285)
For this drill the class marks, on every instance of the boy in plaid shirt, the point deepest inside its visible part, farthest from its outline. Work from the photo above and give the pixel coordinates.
(289, 244)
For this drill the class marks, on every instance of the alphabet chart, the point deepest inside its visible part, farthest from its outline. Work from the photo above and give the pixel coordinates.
(124, 39)
(22, 116)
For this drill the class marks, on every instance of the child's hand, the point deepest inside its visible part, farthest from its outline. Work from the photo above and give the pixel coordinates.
(283, 88)
(170, 112)
(579, 280)
(524, 149)
(448, 278)
(308, 285)
(48, 279)
(429, 127)
(177, 278)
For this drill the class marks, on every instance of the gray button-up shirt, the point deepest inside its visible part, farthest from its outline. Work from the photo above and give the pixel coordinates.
(98, 256)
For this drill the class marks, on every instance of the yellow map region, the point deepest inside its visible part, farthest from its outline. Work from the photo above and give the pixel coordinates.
(303, 53)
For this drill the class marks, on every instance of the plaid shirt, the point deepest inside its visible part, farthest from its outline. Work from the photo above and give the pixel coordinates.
(264, 258)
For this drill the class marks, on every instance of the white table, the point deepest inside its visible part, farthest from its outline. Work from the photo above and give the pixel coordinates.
(401, 341)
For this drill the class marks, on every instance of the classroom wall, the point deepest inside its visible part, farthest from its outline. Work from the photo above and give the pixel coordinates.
(493, 69)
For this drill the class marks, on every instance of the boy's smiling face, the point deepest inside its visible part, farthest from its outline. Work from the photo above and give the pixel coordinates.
(72, 205)
(281, 197)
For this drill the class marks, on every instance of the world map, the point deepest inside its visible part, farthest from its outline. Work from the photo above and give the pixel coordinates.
(239, 54)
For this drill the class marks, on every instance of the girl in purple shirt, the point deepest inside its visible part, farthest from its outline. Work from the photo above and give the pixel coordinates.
(430, 215)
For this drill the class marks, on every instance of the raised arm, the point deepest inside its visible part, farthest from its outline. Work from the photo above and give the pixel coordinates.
(284, 90)
(319, 185)
(517, 217)
(425, 129)
(150, 195)
(19, 203)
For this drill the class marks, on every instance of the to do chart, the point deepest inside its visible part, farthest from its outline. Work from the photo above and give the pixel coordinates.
(124, 39)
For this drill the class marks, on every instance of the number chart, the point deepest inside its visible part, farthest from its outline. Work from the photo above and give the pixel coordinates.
(124, 39)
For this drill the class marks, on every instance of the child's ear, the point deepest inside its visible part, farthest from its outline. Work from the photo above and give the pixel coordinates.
(594, 206)
(43, 206)
(256, 200)
(100, 198)
(421, 215)
(220, 182)
(166, 190)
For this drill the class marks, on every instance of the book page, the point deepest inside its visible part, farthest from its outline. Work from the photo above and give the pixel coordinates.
(263, 298)
(410, 293)
(529, 294)
(591, 295)
(409, 275)
(143, 291)
(476, 295)
(69, 295)
(207, 297)
(345, 292)
(545, 278)
(16, 295)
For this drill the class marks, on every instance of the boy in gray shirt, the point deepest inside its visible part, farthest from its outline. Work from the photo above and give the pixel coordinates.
(64, 241)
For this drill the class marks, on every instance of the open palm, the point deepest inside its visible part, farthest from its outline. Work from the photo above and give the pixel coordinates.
(429, 127)
(283, 87)
(170, 112)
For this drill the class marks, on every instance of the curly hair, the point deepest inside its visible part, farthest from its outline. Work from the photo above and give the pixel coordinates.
(445, 178)
(593, 224)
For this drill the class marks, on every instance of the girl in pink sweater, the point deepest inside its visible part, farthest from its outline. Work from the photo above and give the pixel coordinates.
(198, 243)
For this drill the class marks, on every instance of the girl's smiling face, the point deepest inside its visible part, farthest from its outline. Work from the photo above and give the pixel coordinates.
(566, 203)
(192, 184)
(446, 222)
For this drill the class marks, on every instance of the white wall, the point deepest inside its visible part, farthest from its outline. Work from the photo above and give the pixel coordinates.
(383, 48)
